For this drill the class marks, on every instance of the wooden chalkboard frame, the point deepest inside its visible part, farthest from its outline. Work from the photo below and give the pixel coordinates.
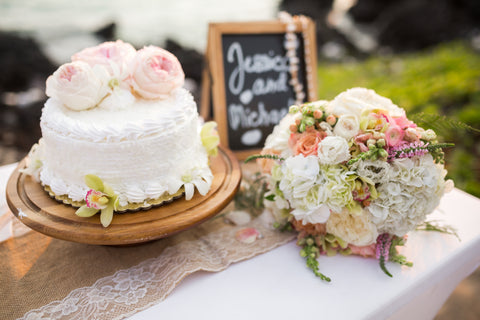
(214, 90)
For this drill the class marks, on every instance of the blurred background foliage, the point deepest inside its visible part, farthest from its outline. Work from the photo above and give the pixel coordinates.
(422, 54)
(443, 80)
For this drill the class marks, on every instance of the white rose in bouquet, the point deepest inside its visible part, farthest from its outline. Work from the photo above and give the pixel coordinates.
(347, 126)
(333, 150)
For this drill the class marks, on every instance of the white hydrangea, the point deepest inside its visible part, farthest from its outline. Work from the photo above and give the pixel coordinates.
(317, 215)
(313, 190)
(413, 191)
(304, 187)
(339, 183)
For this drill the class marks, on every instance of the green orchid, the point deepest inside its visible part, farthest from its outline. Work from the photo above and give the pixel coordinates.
(210, 139)
(100, 197)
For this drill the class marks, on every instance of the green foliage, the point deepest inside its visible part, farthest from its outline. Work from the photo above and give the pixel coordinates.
(434, 225)
(442, 123)
(263, 156)
(251, 194)
(441, 83)
(440, 77)
(311, 252)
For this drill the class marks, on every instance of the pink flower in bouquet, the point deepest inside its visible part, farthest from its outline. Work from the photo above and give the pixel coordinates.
(114, 56)
(412, 135)
(364, 251)
(379, 121)
(394, 135)
(77, 85)
(155, 73)
(307, 143)
(404, 123)
(361, 141)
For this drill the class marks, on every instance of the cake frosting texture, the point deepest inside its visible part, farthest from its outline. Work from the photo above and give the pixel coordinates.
(142, 151)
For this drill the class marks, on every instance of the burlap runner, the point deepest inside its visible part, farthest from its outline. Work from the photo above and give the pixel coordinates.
(46, 278)
(37, 270)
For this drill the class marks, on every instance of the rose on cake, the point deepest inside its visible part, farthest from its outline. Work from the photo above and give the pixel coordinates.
(119, 133)
(155, 72)
(78, 86)
(353, 175)
(115, 57)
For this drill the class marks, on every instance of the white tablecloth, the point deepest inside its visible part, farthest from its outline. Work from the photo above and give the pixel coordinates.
(277, 285)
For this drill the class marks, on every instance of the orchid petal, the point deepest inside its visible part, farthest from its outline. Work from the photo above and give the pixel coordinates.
(108, 190)
(188, 191)
(106, 216)
(94, 182)
(86, 212)
(202, 186)
(116, 202)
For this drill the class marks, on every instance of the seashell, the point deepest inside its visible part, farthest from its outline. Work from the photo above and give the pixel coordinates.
(247, 235)
(238, 217)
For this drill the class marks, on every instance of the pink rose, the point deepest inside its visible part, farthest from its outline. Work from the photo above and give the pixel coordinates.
(78, 86)
(155, 73)
(114, 56)
(308, 143)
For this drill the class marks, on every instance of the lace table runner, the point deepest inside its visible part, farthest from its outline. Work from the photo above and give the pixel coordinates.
(46, 278)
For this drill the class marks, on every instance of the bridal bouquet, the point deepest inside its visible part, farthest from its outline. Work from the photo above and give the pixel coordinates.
(352, 176)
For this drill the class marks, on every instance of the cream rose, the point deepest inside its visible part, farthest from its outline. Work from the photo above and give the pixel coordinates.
(347, 126)
(155, 73)
(357, 100)
(114, 56)
(358, 230)
(333, 150)
(78, 86)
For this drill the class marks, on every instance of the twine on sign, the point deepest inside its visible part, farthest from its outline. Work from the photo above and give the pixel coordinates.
(290, 45)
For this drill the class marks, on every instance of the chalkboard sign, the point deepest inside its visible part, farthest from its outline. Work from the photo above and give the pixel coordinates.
(250, 77)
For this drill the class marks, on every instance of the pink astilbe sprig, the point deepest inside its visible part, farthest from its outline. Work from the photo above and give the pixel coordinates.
(408, 150)
(419, 148)
(383, 246)
(384, 242)
(385, 250)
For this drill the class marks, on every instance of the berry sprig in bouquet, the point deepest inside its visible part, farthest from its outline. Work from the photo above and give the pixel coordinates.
(352, 176)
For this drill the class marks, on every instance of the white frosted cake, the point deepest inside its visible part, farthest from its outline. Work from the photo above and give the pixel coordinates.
(119, 132)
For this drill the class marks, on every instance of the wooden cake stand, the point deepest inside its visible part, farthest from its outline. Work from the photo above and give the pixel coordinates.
(34, 207)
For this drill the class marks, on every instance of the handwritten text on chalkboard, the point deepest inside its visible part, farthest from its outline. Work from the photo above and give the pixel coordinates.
(257, 92)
